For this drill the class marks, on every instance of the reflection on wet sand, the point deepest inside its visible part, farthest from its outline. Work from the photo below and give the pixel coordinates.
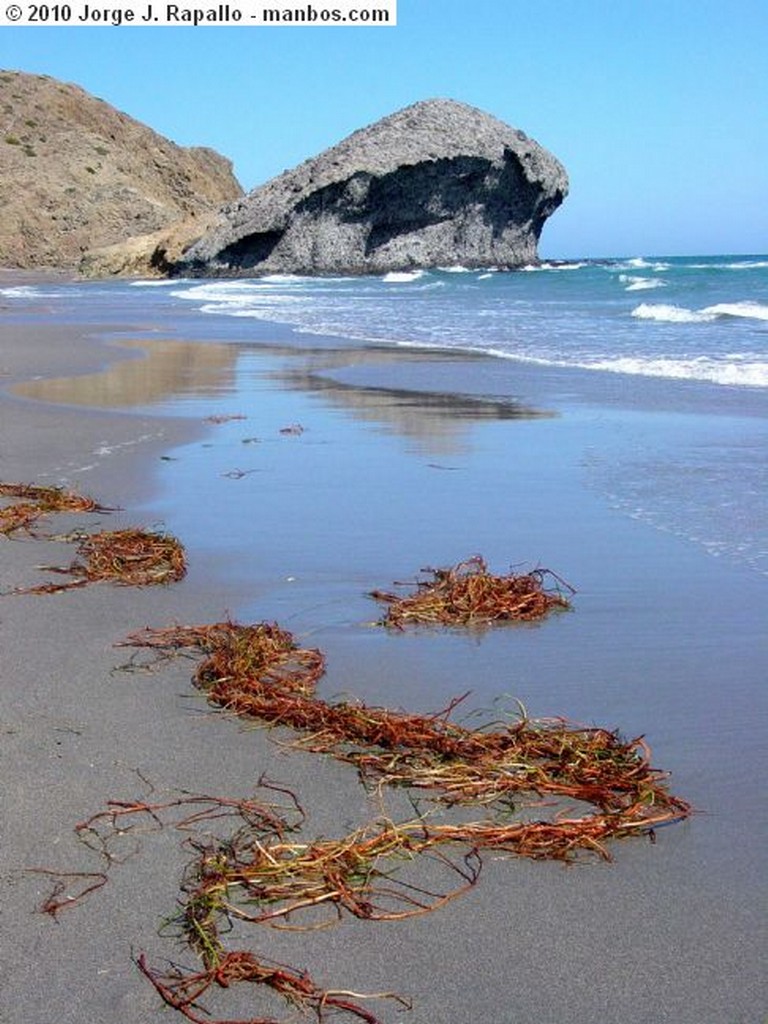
(436, 420)
(160, 370)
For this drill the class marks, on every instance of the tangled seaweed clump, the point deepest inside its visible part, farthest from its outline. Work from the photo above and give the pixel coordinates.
(37, 502)
(518, 770)
(129, 557)
(271, 679)
(182, 990)
(261, 875)
(240, 660)
(132, 557)
(468, 594)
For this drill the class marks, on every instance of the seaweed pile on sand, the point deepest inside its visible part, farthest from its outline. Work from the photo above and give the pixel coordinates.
(514, 772)
(263, 826)
(259, 672)
(468, 594)
(130, 557)
(38, 502)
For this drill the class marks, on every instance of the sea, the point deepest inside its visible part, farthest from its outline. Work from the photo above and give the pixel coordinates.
(682, 336)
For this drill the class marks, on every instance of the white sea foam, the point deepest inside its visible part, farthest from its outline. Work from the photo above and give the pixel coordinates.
(29, 291)
(553, 266)
(640, 284)
(402, 276)
(747, 373)
(671, 314)
(20, 291)
(680, 315)
(732, 265)
(640, 263)
(220, 291)
(750, 310)
(155, 283)
(285, 279)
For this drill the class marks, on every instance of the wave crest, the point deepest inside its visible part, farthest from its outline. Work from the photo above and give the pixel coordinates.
(680, 315)
(640, 284)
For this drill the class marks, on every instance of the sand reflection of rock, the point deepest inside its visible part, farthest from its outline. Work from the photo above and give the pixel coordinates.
(436, 421)
(157, 371)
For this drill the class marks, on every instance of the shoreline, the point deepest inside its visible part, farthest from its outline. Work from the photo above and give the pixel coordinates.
(677, 919)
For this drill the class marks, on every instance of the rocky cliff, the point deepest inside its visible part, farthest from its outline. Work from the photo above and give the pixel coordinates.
(439, 183)
(76, 174)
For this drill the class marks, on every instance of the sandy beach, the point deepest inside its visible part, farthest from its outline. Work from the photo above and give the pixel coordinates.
(392, 471)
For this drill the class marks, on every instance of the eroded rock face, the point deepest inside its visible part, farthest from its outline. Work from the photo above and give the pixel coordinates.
(439, 183)
(76, 175)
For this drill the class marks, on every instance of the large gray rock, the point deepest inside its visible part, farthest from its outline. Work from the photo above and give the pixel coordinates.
(437, 184)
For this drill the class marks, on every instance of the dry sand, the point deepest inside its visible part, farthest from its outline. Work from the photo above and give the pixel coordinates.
(670, 932)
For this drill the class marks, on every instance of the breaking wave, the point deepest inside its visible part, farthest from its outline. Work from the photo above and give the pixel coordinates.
(680, 314)
(402, 276)
(641, 284)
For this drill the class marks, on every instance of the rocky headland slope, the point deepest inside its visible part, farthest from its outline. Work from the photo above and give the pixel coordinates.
(439, 183)
(76, 175)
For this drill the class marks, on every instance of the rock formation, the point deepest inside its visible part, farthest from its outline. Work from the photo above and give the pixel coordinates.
(76, 174)
(439, 183)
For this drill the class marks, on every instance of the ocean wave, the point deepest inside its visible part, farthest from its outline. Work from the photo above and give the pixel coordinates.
(269, 306)
(554, 266)
(640, 284)
(748, 265)
(680, 314)
(29, 291)
(671, 314)
(739, 372)
(19, 291)
(746, 373)
(286, 279)
(641, 263)
(745, 264)
(750, 310)
(224, 292)
(158, 283)
(402, 276)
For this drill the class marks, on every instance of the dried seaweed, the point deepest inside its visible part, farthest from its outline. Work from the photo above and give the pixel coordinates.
(38, 502)
(258, 671)
(467, 594)
(182, 990)
(260, 873)
(129, 557)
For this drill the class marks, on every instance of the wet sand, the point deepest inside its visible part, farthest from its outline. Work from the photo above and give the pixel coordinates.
(663, 640)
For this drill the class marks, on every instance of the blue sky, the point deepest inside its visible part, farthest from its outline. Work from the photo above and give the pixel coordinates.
(657, 108)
